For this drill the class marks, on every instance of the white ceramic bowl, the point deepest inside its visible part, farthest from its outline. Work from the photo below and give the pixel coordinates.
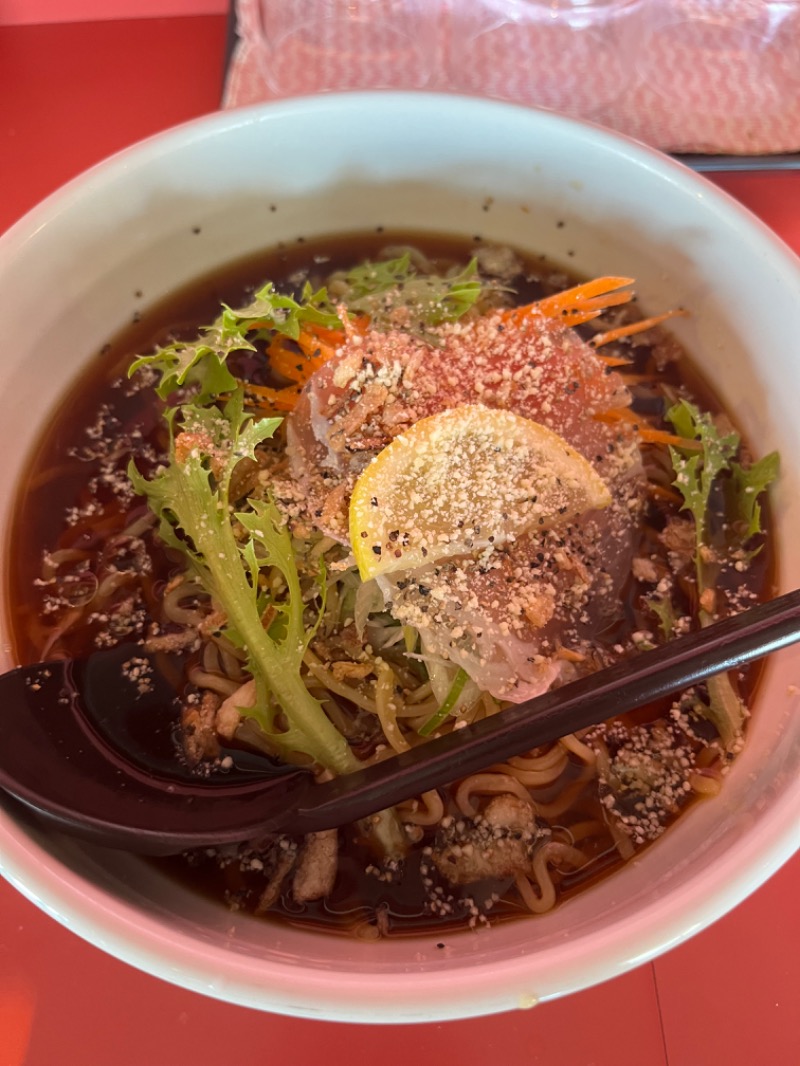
(338, 163)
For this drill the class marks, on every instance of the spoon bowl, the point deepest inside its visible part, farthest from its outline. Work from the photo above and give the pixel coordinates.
(88, 747)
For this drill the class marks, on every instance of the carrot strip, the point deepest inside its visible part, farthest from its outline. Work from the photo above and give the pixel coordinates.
(662, 436)
(316, 349)
(647, 433)
(274, 399)
(316, 344)
(576, 318)
(576, 305)
(286, 361)
(664, 493)
(613, 361)
(336, 337)
(618, 414)
(634, 327)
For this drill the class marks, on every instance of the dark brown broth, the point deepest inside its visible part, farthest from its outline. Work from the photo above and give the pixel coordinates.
(57, 481)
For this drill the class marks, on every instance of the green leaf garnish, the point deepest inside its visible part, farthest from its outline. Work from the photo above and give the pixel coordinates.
(662, 608)
(695, 474)
(748, 484)
(695, 478)
(448, 704)
(201, 363)
(379, 289)
(190, 498)
(375, 289)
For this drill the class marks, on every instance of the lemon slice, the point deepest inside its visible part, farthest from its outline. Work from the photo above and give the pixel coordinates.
(461, 481)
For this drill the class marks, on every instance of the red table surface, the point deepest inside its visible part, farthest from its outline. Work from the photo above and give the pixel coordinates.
(70, 95)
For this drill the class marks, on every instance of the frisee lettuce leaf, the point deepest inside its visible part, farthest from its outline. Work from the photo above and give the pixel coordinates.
(377, 289)
(748, 483)
(662, 607)
(190, 498)
(201, 364)
(696, 475)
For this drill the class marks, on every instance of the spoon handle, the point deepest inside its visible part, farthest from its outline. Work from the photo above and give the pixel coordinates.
(622, 687)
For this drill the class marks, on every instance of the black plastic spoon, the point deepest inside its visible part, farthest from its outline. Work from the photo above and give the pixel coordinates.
(78, 744)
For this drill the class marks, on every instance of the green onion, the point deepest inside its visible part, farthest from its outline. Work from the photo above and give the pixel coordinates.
(450, 700)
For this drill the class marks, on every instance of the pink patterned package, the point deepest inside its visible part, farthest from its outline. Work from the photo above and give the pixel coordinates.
(713, 76)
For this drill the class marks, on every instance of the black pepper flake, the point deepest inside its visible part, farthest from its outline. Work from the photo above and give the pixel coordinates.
(374, 501)
(364, 534)
(196, 230)
(376, 548)
(395, 533)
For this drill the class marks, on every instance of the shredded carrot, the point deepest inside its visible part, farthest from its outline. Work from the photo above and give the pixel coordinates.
(335, 337)
(299, 360)
(315, 349)
(662, 436)
(618, 414)
(647, 433)
(613, 361)
(273, 399)
(664, 492)
(634, 327)
(576, 305)
(285, 359)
